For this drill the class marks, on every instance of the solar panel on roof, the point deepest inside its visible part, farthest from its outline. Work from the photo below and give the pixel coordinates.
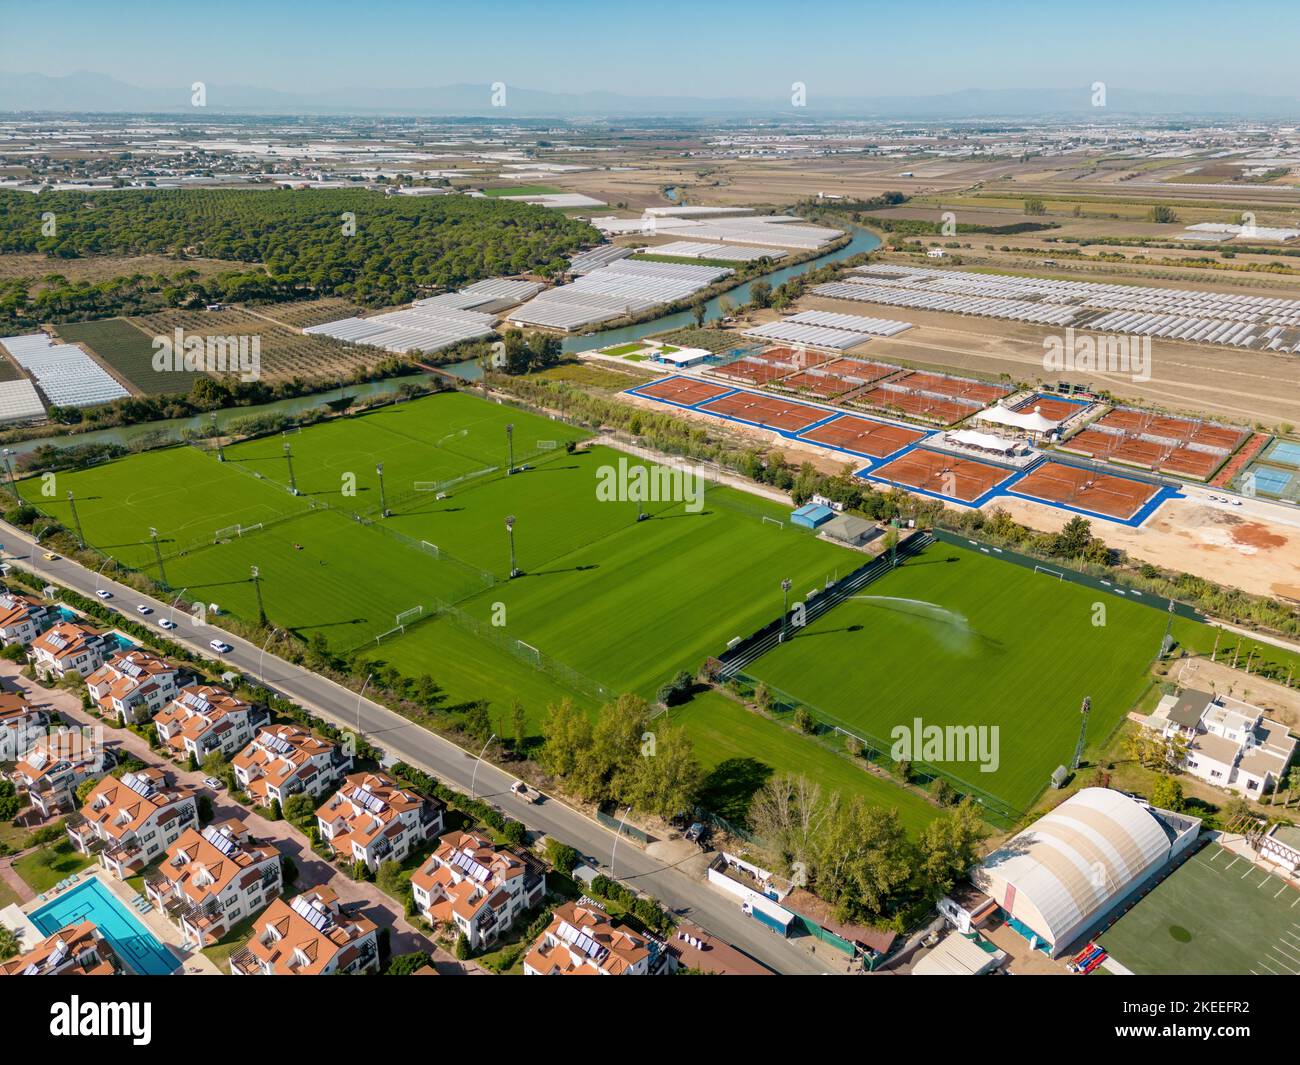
(138, 784)
(471, 867)
(579, 940)
(311, 912)
(196, 702)
(220, 840)
(369, 800)
(275, 743)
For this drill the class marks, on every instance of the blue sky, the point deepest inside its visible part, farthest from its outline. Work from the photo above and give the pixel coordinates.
(669, 47)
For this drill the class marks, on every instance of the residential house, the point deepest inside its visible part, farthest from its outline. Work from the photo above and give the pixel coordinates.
(203, 718)
(283, 760)
(55, 765)
(309, 935)
(1229, 743)
(371, 819)
(480, 888)
(74, 950)
(213, 879)
(133, 685)
(68, 647)
(24, 617)
(581, 940)
(21, 725)
(129, 821)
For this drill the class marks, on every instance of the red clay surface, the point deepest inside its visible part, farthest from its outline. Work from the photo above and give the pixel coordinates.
(858, 370)
(863, 436)
(1178, 459)
(683, 390)
(944, 411)
(1181, 429)
(772, 411)
(1115, 497)
(947, 475)
(1056, 410)
(755, 373)
(975, 391)
(818, 384)
(790, 357)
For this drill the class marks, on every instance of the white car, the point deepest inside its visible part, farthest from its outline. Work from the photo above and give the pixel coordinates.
(213, 783)
(1235, 502)
(220, 648)
(524, 792)
(103, 593)
(144, 611)
(167, 623)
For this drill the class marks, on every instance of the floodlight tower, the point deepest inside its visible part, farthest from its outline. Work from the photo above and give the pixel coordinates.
(255, 575)
(786, 585)
(510, 532)
(383, 502)
(76, 521)
(216, 433)
(1083, 732)
(1169, 625)
(510, 449)
(288, 458)
(10, 467)
(157, 552)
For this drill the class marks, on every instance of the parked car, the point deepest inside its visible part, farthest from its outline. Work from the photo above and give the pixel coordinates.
(213, 783)
(220, 648)
(103, 593)
(697, 832)
(167, 623)
(144, 611)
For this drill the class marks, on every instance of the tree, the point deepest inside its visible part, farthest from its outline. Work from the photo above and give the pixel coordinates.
(1073, 539)
(561, 855)
(566, 732)
(9, 942)
(667, 781)
(518, 725)
(1167, 793)
(697, 312)
(389, 878)
(462, 950)
(406, 964)
(760, 294)
(789, 812)
(948, 848)
(863, 861)
(1162, 213)
(1035, 206)
(9, 801)
(274, 813)
(300, 807)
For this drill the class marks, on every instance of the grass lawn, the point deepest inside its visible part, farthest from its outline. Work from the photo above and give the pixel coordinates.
(623, 349)
(8, 897)
(46, 866)
(741, 750)
(956, 638)
(523, 190)
(1216, 914)
(219, 953)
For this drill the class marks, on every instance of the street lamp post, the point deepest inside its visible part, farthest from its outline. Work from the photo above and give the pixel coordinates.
(473, 780)
(617, 836)
(261, 660)
(510, 532)
(362, 692)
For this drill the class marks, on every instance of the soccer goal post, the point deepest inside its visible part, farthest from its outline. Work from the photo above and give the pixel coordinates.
(408, 615)
(1050, 572)
(431, 548)
(528, 651)
(773, 521)
(228, 533)
(547, 445)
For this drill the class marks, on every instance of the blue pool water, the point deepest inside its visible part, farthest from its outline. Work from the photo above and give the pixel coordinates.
(1285, 453)
(92, 901)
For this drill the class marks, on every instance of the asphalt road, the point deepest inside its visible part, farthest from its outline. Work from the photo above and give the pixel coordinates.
(682, 892)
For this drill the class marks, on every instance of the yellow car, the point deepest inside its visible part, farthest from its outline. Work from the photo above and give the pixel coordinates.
(50, 556)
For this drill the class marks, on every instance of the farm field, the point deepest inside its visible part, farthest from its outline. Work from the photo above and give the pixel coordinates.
(954, 638)
(740, 751)
(128, 350)
(1216, 914)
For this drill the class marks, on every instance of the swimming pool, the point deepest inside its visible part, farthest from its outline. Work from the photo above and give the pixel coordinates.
(92, 901)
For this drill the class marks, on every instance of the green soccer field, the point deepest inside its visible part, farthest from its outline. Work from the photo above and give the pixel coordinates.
(1216, 914)
(953, 637)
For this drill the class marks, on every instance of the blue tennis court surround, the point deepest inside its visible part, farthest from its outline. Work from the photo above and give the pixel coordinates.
(92, 901)
(1270, 481)
(1285, 452)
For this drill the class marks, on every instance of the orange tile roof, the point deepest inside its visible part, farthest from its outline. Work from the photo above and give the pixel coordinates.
(615, 949)
(294, 946)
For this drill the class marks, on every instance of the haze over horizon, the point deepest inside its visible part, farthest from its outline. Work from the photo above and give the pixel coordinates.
(725, 51)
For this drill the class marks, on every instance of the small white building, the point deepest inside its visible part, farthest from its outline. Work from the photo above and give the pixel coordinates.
(682, 357)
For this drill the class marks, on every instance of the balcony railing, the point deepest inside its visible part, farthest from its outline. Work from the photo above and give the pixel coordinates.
(246, 962)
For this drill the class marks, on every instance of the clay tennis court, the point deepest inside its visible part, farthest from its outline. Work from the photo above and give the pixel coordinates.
(858, 370)
(944, 411)
(945, 475)
(1184, 429)
(752, 371)
(1153, 456)
(1057, 410)
(770, 411)
(1115, 497)
(683, 390)
(865, 437)
(817, 384)
(956, 387)
(790, 357)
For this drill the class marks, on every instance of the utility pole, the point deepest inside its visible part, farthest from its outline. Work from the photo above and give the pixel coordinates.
(383, 502)
(76, 521)
(510, 532)
(10, 467)
(510, 449)
(216, 434)
(257, 587)
(786, 585)
(288, 458)
(157, 553)
(1083, 732)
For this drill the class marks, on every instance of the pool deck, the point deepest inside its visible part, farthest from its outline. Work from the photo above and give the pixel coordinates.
(188, 962)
